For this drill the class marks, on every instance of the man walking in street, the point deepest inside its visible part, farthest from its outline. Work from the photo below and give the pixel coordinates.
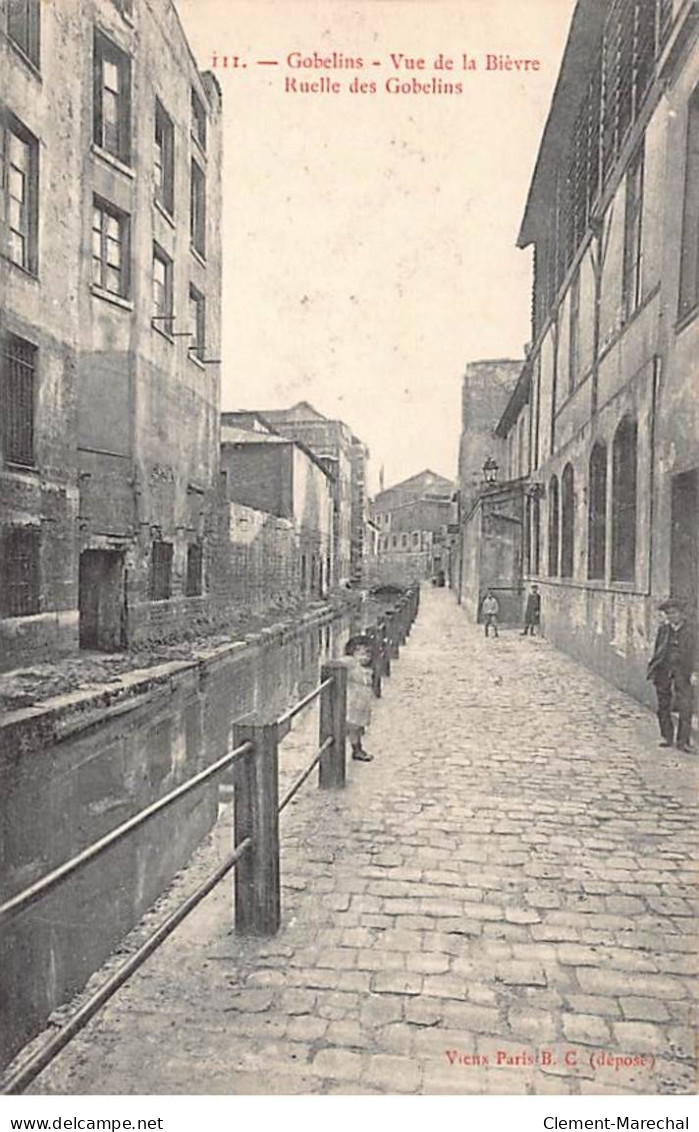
(490, 609)
(532, 612)
(670, 669)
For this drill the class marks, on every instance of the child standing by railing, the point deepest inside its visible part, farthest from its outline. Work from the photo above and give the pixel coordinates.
(359, 651)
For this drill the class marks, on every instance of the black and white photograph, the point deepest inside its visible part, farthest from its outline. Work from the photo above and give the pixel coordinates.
(349, 558)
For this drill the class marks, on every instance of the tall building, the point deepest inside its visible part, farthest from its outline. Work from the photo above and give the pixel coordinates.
(280, 516)
(607, 398)
(110, 297)
(346, 457)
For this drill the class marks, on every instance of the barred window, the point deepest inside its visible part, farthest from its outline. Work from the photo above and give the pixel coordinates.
(23, 27)
(597, 513)
(111, 98)
(20, 182)
(567, 522)
(160, 571)
(553, 527)
(164, 159)
(631, 280)
(110, 248)
(195, 571)
(624, 502)
(17, 400)
(20, 549)
(198, 120)
(197, 215)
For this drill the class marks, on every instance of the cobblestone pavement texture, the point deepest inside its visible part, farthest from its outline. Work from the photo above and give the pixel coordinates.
(502, 902)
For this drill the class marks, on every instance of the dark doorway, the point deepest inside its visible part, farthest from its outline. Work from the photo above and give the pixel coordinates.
(684, 541)
(101, 599)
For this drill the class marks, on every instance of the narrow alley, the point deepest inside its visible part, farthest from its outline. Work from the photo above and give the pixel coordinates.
(501, 902)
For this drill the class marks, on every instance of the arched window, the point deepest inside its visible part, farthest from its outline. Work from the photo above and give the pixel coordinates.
(553, 527)
(624, 502)
(597, 513)
(567, 522)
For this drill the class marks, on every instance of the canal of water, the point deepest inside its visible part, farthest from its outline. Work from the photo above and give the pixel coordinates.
(58, 802)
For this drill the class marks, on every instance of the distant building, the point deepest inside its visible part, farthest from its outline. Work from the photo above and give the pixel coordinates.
(279, 516)
(346, 457)
(487, 544)
(110, 307)
(607, 399)
(413, 518)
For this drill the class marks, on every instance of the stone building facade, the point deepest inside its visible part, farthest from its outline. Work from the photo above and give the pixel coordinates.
(412, 518)
(607, 402)
(278, 518)
(110, 326)
(339, 450)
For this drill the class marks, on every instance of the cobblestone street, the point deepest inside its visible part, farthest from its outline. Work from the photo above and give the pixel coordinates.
(502, 902)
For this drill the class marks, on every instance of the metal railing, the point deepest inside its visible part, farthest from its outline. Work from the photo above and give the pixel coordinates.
(256, 809)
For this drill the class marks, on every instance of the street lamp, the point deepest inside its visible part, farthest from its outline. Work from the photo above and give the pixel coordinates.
(490, 470)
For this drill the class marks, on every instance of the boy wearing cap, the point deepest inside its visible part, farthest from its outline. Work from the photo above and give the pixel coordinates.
(670, 668)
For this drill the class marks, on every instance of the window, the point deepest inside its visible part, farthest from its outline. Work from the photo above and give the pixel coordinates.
(110, 230)
(23, 27)
(567, 522)
(112, 98)
(574, 334)
(164, 159)
(597, 513)
(20, 568)
(162, 290)
(197, 215)
(197, 323)
(416, 540)
(536, 537)
(195, 563)
(689, 273)
(17, 400)
(624, 502)
(404, 541)
(198, 120)
(553, 527)
(20, 180)
(631, 284)
(394, 542)
(160, 571)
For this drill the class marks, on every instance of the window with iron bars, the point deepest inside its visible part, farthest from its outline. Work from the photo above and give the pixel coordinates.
(20, 549)
(17, 400)
(161, 571)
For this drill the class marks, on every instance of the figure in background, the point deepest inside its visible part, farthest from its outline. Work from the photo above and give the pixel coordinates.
(490, 610)
(671, 669)
(532, 612)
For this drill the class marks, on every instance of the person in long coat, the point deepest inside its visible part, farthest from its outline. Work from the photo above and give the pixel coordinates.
(670, 668)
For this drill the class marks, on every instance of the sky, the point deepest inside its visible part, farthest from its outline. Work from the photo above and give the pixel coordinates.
(369, 238)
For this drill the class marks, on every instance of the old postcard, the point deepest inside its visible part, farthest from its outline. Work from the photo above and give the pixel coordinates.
(349, 549)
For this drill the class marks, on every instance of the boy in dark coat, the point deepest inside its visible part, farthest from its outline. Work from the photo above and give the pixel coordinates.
(670, 668)
(532, 612)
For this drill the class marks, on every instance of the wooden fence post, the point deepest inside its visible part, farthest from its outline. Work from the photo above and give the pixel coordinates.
(256, 812)
(332, 771)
